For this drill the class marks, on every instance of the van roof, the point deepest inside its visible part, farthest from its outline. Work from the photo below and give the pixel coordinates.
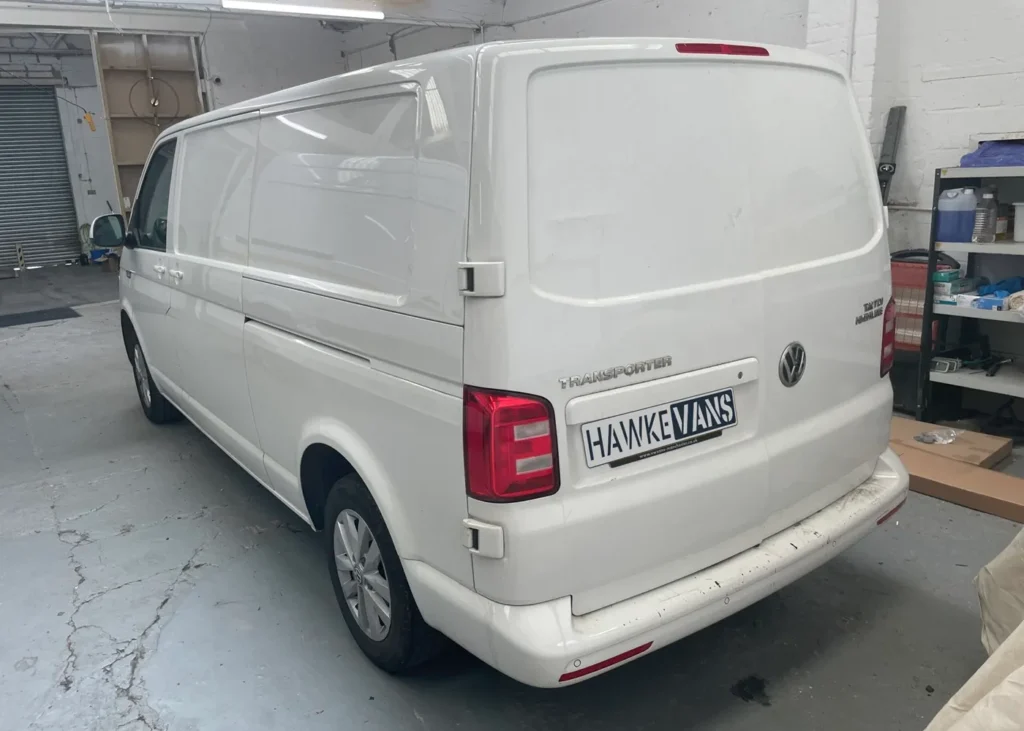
(383, 74)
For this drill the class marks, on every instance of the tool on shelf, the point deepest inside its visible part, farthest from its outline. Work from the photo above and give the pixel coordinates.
(946, 365)
(994, 368)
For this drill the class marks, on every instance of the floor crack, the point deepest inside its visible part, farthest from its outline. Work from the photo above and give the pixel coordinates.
(133, 650)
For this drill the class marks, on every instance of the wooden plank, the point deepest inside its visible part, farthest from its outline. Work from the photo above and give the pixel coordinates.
(982, 450)
(964, 484)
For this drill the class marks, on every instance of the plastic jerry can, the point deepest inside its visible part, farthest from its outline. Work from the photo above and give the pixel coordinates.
(956, 214)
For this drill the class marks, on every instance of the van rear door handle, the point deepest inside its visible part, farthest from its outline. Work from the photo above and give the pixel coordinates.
(159, 268)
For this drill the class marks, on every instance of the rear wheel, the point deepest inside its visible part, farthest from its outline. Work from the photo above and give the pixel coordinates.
(370, 584)
(157, 409)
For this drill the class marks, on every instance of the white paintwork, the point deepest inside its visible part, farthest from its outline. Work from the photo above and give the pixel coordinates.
(639, 242)
(536, 644)
(318, 240)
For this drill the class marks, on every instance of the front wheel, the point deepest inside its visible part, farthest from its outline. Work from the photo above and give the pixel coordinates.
(370, 584)
(157, 409)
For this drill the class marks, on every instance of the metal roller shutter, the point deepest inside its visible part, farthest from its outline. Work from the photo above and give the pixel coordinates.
(37, 209)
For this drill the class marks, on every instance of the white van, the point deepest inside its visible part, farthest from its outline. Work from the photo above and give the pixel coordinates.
(570, 348)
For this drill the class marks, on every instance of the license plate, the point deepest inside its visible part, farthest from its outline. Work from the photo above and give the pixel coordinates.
(640, 434)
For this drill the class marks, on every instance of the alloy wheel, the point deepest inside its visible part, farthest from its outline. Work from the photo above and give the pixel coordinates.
(142, 376)
(364, 581)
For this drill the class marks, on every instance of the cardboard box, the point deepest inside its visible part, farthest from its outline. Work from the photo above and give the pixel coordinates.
(958, 286)
(948, 275)
(964, 484)
(971, 299)
(982, 450)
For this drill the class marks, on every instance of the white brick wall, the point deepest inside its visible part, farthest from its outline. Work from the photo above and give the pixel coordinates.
(768, 21)
(959, 69)
(846, 31)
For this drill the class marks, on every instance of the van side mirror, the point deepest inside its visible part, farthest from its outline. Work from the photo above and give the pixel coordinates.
(108, 231)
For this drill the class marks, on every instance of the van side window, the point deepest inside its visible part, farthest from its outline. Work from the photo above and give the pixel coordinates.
(335, 193)
(216, 182)
(149, 216)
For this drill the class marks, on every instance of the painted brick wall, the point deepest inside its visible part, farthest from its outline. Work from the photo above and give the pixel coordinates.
(846, 31)
(768, 21)
(959, 68)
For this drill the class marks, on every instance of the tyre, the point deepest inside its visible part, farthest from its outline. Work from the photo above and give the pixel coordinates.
(370, 584)
(157, 409)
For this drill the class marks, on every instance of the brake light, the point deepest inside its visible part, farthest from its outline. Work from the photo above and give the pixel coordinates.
(510, 446)
(888, 338)
(722, 49)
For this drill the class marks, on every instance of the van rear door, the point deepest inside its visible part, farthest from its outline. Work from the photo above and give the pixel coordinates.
(691, 244)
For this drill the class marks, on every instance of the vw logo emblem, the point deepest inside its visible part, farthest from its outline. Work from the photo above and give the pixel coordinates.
(792, 364)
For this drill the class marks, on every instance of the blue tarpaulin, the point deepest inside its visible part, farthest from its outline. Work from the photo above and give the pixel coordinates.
(995, 155)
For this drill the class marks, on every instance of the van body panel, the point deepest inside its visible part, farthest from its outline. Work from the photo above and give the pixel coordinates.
(664, 218)
(300, 389)
(668, 225)
(145, 280)
(375, 184)
(367, 334)
(210, 248)
(316, 232)
(539, 644)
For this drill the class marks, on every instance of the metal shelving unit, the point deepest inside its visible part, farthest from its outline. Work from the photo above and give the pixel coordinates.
(1009, 380)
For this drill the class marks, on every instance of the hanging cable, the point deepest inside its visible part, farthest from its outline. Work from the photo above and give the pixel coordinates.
(110, 17)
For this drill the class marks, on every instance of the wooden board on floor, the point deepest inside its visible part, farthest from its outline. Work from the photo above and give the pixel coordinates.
(981, 450)
(963, 484)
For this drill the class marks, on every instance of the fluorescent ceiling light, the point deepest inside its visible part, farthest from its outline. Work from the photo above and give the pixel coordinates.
(321, 11)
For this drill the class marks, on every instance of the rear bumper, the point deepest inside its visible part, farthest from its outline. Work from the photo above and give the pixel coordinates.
(539, 644)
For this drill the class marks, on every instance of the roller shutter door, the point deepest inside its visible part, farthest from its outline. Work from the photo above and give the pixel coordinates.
(37, 209)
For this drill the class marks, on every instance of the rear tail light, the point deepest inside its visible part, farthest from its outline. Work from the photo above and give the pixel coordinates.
(888, 338)
(510, 446)
(722, 49)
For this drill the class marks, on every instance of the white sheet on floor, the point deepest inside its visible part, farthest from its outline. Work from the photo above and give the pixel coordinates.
(993, 699)
(1001, 591)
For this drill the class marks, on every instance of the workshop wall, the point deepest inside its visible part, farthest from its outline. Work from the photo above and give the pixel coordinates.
(249, 56)
(90, 168)
(260, 54)
(959, 69)
(768, 21)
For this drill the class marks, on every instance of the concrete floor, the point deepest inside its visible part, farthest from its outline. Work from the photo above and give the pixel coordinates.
(147, 582)
(51, 287)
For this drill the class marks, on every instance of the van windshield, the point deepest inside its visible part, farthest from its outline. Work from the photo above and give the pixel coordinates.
(646, 177)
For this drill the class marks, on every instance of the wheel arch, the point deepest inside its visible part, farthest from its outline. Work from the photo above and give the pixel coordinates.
(130, 331)
(329, 451)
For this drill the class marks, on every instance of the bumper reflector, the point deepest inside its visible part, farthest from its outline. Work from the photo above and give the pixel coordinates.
(605, 663)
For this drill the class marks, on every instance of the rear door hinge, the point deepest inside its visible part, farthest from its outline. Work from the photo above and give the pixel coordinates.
(483, 539)
(482, 278)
